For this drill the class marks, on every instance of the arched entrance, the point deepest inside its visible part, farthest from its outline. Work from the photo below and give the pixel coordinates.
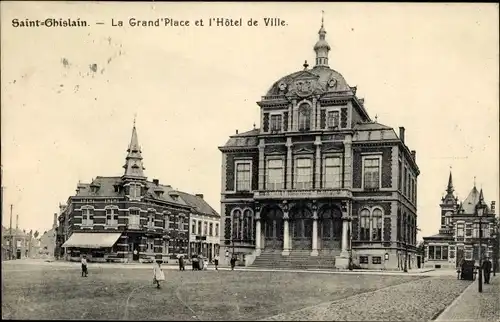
(330, 229)
(272, 228)
(301, 223)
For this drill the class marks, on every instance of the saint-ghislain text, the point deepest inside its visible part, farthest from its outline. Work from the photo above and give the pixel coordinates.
(49, 23)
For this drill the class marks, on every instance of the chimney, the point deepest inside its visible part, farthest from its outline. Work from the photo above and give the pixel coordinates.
(414, 155)
(402, 134)
(156, 182)
(236, 131)
(200, 195)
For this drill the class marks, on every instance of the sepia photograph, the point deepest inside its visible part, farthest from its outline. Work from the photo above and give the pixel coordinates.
(250, 161)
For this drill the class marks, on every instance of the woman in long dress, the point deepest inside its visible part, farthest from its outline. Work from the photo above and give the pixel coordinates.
(158, 274)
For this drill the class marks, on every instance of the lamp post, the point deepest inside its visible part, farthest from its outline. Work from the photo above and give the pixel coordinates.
(480, 211)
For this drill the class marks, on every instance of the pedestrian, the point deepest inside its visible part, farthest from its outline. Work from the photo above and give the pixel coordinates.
(216, 262)
(459, 268)
(205, 263)
(486, 270)
(233, 262)
(181, 263)
(84, 266)
(158, 274)
(194, 262)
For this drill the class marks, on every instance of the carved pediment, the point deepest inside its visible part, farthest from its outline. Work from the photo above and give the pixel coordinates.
(332, 147)
(304, 150)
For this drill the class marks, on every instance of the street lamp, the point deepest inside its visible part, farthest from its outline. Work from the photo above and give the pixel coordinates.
(480, 211)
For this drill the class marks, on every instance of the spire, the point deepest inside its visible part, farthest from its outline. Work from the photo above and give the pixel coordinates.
(450, 189)
(322, 47)
(133, 162)
(481, 197)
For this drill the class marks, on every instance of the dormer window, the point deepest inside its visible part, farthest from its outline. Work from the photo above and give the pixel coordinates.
(304, 117)
(135, 190)
(333, 120)
(276, 122)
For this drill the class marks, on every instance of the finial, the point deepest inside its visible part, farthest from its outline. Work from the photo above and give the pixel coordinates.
(135, 116)
(322, 17)
(306, 65)
(254, 125)
(474, 181)
(376, 118)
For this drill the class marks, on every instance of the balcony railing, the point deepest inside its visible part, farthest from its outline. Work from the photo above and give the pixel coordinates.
(299, 194)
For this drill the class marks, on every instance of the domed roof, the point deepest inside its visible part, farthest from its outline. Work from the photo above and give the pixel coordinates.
(324, 79)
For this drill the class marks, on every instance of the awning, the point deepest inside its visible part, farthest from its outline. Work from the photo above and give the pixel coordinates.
(92, 240)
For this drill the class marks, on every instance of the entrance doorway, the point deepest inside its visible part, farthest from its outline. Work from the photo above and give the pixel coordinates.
(18, 254)
(301, 223)
(330, 229)
(272, 222)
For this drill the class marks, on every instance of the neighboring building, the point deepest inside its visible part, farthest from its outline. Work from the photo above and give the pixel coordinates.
(458, 236)
(47, 242)
(318, 169)
(204, 231)
(21, 241)
(125, 218)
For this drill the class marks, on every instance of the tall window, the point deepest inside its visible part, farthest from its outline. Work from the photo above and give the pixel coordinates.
(243, 176)
(87, 217)
(216, 229)
(364, 233)
(193, 227)
(211, 229)
(199, 227)
(134, 218)
(460, 232)
(151, 219)
(275, 175)
(303, 173)
(304, 117)
(237, 224)
(247, 228)
(135, 190)
(371, 173)
(400, 172)
(276, 122)
(112, 217)
(333, 119)
(377, 225)
(205, 228)
(468, 230)
(332, 173)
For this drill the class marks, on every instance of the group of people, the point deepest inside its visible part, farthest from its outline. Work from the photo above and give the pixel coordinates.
(465, 266)
(198, 262)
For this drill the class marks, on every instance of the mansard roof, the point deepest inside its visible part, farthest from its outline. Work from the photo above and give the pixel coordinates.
(469, 204)
(371, 126)
(245, 139)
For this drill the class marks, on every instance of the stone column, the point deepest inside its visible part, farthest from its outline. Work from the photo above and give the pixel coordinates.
(348, 162)
(286, 233)
(317, 171)
(314, 251)
(257, 233)
(289, 163)
(262, 168)
(345, 241)
(342, 261)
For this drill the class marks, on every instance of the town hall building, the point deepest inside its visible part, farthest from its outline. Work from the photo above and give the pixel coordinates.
(320, 183)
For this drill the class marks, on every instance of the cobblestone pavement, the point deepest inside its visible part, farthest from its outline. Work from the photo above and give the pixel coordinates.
(475, 306)
(420, 300)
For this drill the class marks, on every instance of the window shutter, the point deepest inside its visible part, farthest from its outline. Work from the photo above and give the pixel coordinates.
(322, 121)
(266, 122)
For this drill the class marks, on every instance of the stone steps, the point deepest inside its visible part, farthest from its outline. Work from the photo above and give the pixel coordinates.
(296, 260)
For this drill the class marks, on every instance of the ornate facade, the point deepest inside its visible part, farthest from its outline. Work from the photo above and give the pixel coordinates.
(458, 236)
(127, 218)
(319, 177)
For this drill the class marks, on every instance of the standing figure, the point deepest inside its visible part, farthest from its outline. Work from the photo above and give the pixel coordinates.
(181, 263)
(486, 270)
(158, 274)
(216, 262)
(84, 266)
(233, 262)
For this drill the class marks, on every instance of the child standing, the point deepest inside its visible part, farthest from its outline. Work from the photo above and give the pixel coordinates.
(84, 266)
(158, 274)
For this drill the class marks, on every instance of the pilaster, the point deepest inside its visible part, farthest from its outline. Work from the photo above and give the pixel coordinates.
(314, 251)
(348, 170)
(289, 163)
(317, 172)
(262, 170)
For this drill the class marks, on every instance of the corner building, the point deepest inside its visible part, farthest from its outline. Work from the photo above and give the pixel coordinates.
(320, 182)
(128, 218)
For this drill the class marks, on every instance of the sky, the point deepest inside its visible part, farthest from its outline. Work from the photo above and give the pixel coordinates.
(432, 68)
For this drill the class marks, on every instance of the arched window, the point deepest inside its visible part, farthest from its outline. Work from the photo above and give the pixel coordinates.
(377, 225)
(364, 232)
(304, 117)
(237, 224)
(247, 224)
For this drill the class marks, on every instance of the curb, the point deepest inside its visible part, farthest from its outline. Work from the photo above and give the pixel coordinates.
(439, 318)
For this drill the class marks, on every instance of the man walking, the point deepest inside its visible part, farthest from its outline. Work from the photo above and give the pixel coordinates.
(216, 262)
(181, 263)
(486, 270)
(233, 262)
